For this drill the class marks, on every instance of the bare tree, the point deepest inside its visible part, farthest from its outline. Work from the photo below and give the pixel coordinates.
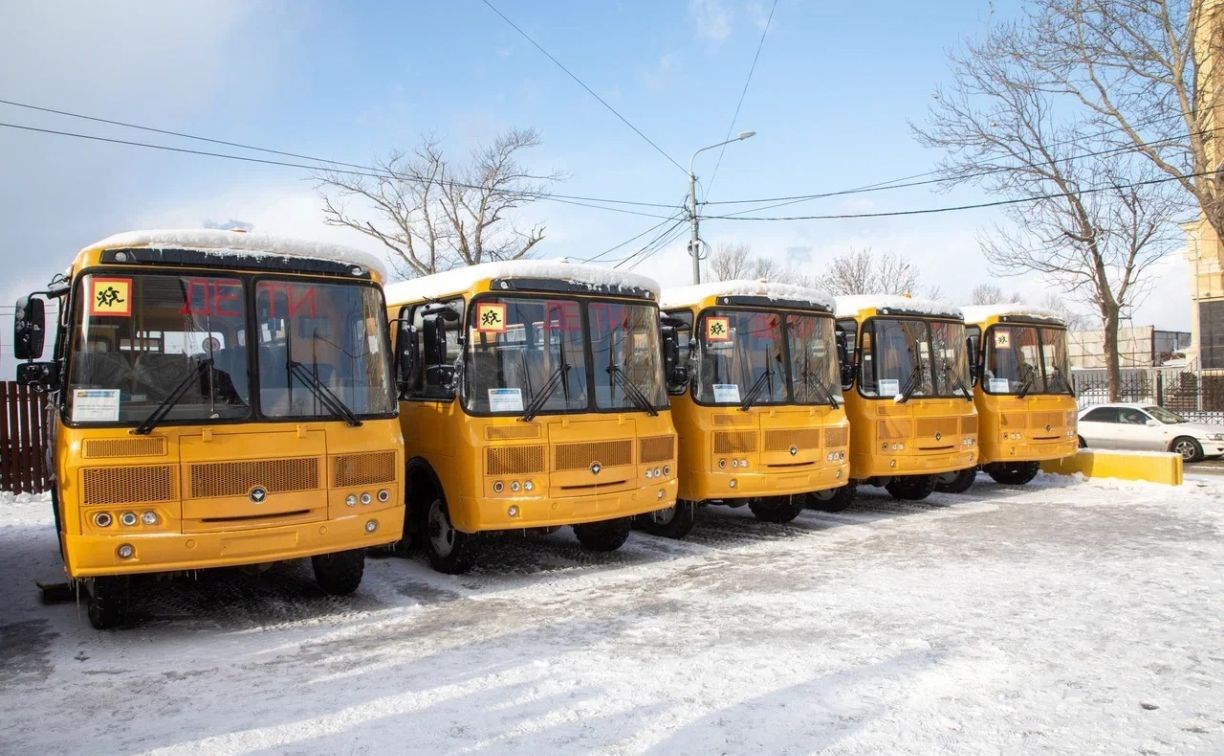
(1074, 319)
(861, 271)
(1142, 70)
(985, 294)
(732, 261)
(432, 215)
(1096, 220)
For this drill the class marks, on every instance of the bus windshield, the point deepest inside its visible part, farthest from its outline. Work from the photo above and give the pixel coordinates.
(1025, 359)
(906, 357)
(750, 357)
(626, 357)
(179, 344)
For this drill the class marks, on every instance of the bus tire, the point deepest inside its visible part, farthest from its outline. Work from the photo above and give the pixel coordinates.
(955, 482)
(339, 573)
(832, 500)
(1013, 473)
(109, 598)
(673, 522)
(450, 551)
(778, 509)
(608, 535)
(911, 487)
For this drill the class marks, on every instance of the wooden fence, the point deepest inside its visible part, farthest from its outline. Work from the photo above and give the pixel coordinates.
(23, 440)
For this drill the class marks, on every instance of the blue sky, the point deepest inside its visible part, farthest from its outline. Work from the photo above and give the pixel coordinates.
(831, 99)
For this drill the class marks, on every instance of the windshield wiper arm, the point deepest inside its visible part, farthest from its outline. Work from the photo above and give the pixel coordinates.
(1027, 385)
(824, 389)
(558, 376)
(959, 383)
(631, 390)
(915, 378)
(174, 397)
(330, 401)
(756, 387)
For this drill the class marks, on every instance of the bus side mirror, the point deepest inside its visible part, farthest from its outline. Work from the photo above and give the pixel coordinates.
(407, 358)
(41, 376)
(29, 328)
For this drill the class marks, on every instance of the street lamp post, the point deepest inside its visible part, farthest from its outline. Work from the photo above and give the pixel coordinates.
(694, 243)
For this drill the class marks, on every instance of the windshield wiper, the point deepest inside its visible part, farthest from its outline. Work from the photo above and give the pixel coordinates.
(809, 378)
(915, 377)
(174, 397)
(959, 383)
(631, 390)
(1027, 385)
(558, 376)
(329, 400)
(762, 379)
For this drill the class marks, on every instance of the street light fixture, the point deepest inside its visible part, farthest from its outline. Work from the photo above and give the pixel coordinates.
(694, 244)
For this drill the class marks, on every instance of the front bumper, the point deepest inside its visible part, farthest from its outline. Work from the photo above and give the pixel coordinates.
(473, 514)
(758, 483)
(882, 465)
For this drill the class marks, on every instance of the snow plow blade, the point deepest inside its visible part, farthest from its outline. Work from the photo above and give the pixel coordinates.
(1153, 467)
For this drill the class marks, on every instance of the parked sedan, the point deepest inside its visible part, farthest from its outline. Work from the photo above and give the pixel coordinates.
(1150, 428)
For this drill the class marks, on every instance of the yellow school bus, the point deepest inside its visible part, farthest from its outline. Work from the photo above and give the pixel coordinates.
(1025, 403)
(217, 399)
(532, 397)
(912, 417)
(757, 402)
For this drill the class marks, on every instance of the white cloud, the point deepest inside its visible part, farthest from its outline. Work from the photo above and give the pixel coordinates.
(664, 72)
(711, 18)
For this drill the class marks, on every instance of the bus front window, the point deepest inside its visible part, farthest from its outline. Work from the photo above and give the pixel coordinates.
(625, 354)
(146, 341)
(1013, 362)
(1054, 359)
(522, 349)
(322, 350)
(896, 359)
(951, 364)
(741, 359)
(815, 377)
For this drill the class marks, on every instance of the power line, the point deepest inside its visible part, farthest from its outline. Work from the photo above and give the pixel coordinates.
(582, 84)
(564, 199)
(738, 105)
(679, 232)
(955, 208)
(372, 170)
(664, 237)
(630, 240)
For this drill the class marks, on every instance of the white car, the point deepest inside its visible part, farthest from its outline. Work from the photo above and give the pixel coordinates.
(1150, 428)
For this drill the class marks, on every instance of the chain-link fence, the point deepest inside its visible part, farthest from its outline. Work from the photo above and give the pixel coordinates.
(1192, 393)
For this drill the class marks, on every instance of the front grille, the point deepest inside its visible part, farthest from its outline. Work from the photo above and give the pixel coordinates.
(238, 478)
(893, 429)
(606, 453)
(656, 449)
(782, 440)
(128, 485)
(507, 432)
(363, 469)
(734, 442)
(969, 424)
(944, 426)
(836, 437)
(95, 448)
(1042, 419)
(514, 460)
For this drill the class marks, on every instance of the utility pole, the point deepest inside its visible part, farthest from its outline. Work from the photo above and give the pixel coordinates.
(694, 237)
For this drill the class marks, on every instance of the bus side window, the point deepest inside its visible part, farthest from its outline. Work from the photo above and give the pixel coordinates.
(684, 343)
(426, 385)
(973, 338)
(846, 333)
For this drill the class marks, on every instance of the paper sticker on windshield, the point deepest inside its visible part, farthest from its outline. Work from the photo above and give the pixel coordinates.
(726, 392)
(110, 297)
(889, 386)
(718, 329)
(1002, 339)
(491, 317)
(95, 405)
(999, 386)
(505, 400)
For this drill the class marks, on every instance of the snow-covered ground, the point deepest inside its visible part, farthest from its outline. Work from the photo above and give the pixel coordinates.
(1064, 616)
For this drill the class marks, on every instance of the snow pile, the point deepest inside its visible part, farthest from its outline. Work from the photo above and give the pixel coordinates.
(460, 280)
(687, 296)
(230, 242)
(851, 306)
(979, 313)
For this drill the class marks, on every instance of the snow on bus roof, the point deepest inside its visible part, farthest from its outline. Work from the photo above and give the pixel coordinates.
(463, 279)
(680, 296)
(979, 313)
(222, 241)
(850, 306)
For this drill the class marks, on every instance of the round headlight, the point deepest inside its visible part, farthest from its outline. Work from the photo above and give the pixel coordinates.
(384, 496)
(128, 518)
(498, 486)
(350, 500)
(371, 526)
(103, 519)
(149, 518)
(722, 463)
(366, 498)
(667, 469)
(126, 551)
(649, 473)
(529, 486)
(514, 486)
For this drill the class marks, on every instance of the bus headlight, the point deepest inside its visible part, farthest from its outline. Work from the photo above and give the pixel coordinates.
(149, 518)
(350, 500)
(649, 473)
(126, 551)
(514, 486)
(512, 511)
(384, 496)
(102, 519)
(667, 469)
(529, 486)
(366, 498)
(968, 441)
(128, 519)
(732, 483)
(498, 486)
(722, 463)
(371, 526)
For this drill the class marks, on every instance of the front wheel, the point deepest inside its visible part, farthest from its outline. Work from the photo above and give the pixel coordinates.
(1189, 449)
(956, 482)
(109, 598)
(777, 509)
(450, 551)
(608, 535)
(832, 500)
(911, 487)
(673, 522)
(1013, 473)
(1082, 443)
(339, 573)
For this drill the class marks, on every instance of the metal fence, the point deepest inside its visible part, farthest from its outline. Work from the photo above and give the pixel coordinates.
(1192, 393)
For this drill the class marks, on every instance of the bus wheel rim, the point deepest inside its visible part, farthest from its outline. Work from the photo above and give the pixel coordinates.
(441, 534)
